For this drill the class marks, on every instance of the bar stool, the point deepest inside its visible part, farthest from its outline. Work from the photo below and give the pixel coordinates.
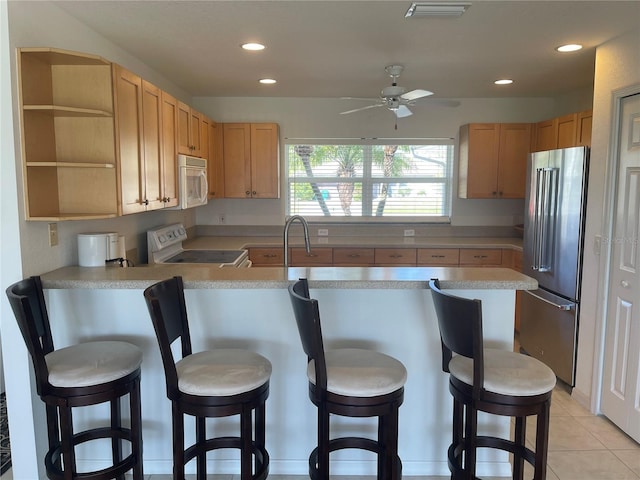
(498, 382)
(77, 376)
(349, 382)
(209, 384)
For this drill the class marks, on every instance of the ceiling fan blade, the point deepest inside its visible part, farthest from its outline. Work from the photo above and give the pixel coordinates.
(362, 108)
(402, 111)
(368, 99)
(415, 94)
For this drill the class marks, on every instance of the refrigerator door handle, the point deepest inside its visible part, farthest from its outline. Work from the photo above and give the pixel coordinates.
(537, 220)
(549, 196)
(565, 307)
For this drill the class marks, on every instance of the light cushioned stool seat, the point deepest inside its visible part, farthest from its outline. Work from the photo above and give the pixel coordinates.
(92, 363)
(507, 373)
(222, 372)
(360, 373)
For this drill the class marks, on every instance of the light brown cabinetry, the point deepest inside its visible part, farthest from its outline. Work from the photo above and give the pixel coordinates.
(343, 256)
(169, 173)
(493, 160)
(395, 256)
(69, 158)
(319, 256)
(266, 256)
(438, 257)
(215, 163)
(569, 130)
(140, 144)
(480, 257)
(251, 166)
(189, 130)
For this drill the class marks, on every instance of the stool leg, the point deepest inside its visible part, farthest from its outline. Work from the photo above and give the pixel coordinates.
(66, 435)
(542, 442)
(178, 442)
(471, 432)
(458, 428)
(201, 469)
(116, 424)
(388, 468)
(260, 430)
(519, 440)
(245, 440)
(136, 429)
(323, 442)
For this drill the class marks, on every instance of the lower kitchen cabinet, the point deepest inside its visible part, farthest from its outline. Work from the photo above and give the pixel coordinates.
(441, 257)
(395, 257)
(319, 257)
(266, 256)
(347, 257)
(480, 257)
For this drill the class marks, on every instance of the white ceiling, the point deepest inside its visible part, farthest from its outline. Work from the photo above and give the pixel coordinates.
(340, 48)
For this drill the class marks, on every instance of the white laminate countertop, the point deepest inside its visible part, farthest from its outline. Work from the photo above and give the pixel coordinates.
(209, 277)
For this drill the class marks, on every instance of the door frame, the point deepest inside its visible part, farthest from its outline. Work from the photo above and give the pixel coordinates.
(608, 220)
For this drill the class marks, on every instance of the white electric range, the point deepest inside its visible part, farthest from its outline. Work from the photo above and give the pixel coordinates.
(164, 245)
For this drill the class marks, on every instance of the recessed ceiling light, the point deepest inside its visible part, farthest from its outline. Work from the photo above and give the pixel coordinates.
(572, 47)
(503, 81)
(253, 46)
(267, 81)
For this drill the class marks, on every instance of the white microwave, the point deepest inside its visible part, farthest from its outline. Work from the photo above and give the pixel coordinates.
(192, 181)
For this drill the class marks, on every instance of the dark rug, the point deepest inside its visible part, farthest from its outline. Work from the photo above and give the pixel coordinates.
(5, 446)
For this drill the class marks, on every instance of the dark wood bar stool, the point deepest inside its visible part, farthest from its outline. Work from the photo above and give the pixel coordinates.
(349, 382)
(78, 376)
(209, 384)
(498, 382)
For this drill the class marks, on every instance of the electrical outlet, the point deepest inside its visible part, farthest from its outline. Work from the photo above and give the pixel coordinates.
(410, 233)
(221, 219)
(323, 232)
(53, 234)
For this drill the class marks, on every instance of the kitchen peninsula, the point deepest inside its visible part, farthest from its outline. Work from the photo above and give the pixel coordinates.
(386, 308)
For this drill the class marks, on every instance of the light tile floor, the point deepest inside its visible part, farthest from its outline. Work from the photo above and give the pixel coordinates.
(581, 447)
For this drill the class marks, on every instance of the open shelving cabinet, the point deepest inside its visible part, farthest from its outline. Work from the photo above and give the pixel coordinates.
(68, 135)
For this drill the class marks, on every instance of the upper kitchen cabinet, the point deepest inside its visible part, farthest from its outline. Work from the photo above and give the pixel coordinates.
(251, 163)
(569, 130)
(190, 131)
(169, 160)
(140, 109)
(69, 158)
(493, 160)
(215, 163)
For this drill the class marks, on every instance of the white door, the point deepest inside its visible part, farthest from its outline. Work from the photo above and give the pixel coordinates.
(620, 400)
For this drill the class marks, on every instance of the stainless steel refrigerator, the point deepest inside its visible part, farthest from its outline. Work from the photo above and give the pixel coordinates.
(552, 254)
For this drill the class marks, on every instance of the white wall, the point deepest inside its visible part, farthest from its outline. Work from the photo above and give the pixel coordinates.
(617, 66)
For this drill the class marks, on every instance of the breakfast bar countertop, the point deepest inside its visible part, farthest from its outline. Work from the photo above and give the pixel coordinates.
(208, 277)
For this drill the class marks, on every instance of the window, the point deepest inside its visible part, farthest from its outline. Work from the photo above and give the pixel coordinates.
(370, 182)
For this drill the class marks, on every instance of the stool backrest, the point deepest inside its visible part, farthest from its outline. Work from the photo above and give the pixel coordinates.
(27, 302)
(460, 324)
(307, 316)
(168, 311)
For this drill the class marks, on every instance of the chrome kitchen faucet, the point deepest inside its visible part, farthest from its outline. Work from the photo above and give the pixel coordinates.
(305, 227)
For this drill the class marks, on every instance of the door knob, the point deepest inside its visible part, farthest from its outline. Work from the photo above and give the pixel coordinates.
(624, 284)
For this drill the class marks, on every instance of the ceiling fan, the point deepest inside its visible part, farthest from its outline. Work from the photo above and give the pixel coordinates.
(396, 98)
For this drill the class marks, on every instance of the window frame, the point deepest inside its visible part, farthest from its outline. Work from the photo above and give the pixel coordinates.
(367, 180)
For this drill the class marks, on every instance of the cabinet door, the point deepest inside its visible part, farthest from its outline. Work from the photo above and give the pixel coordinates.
(395, 256)
(353, 256)
(479, 150)
(480, 257)
(129, 133)
(169, 150)
(546, 135)
(515, 139)
(583, 129)
(567, 130)
(266, 256)
(237, 160)
(184, 137)
(152, 146)
(195, 132)
(449, 257)
(318, 256)
(215, 165)
(204, 138)
(264, 160)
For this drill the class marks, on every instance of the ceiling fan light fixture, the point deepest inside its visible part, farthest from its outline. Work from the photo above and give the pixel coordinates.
(437, 9)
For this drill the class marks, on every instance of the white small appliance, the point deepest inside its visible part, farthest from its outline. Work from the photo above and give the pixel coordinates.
(98, 249)
(192, 182)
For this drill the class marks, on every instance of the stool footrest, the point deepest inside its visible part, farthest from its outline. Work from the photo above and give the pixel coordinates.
(53, 458)
(260, 453)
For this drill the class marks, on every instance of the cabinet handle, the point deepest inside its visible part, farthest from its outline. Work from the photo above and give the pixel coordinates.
(397, 255)
(146, 202)
(437, 256)
(353, 255)
(247, 193)
(270, 255)
(254, 193)
(311, 255)
(480, 256)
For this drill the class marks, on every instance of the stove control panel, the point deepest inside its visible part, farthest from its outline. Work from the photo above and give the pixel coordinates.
(165, 237)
